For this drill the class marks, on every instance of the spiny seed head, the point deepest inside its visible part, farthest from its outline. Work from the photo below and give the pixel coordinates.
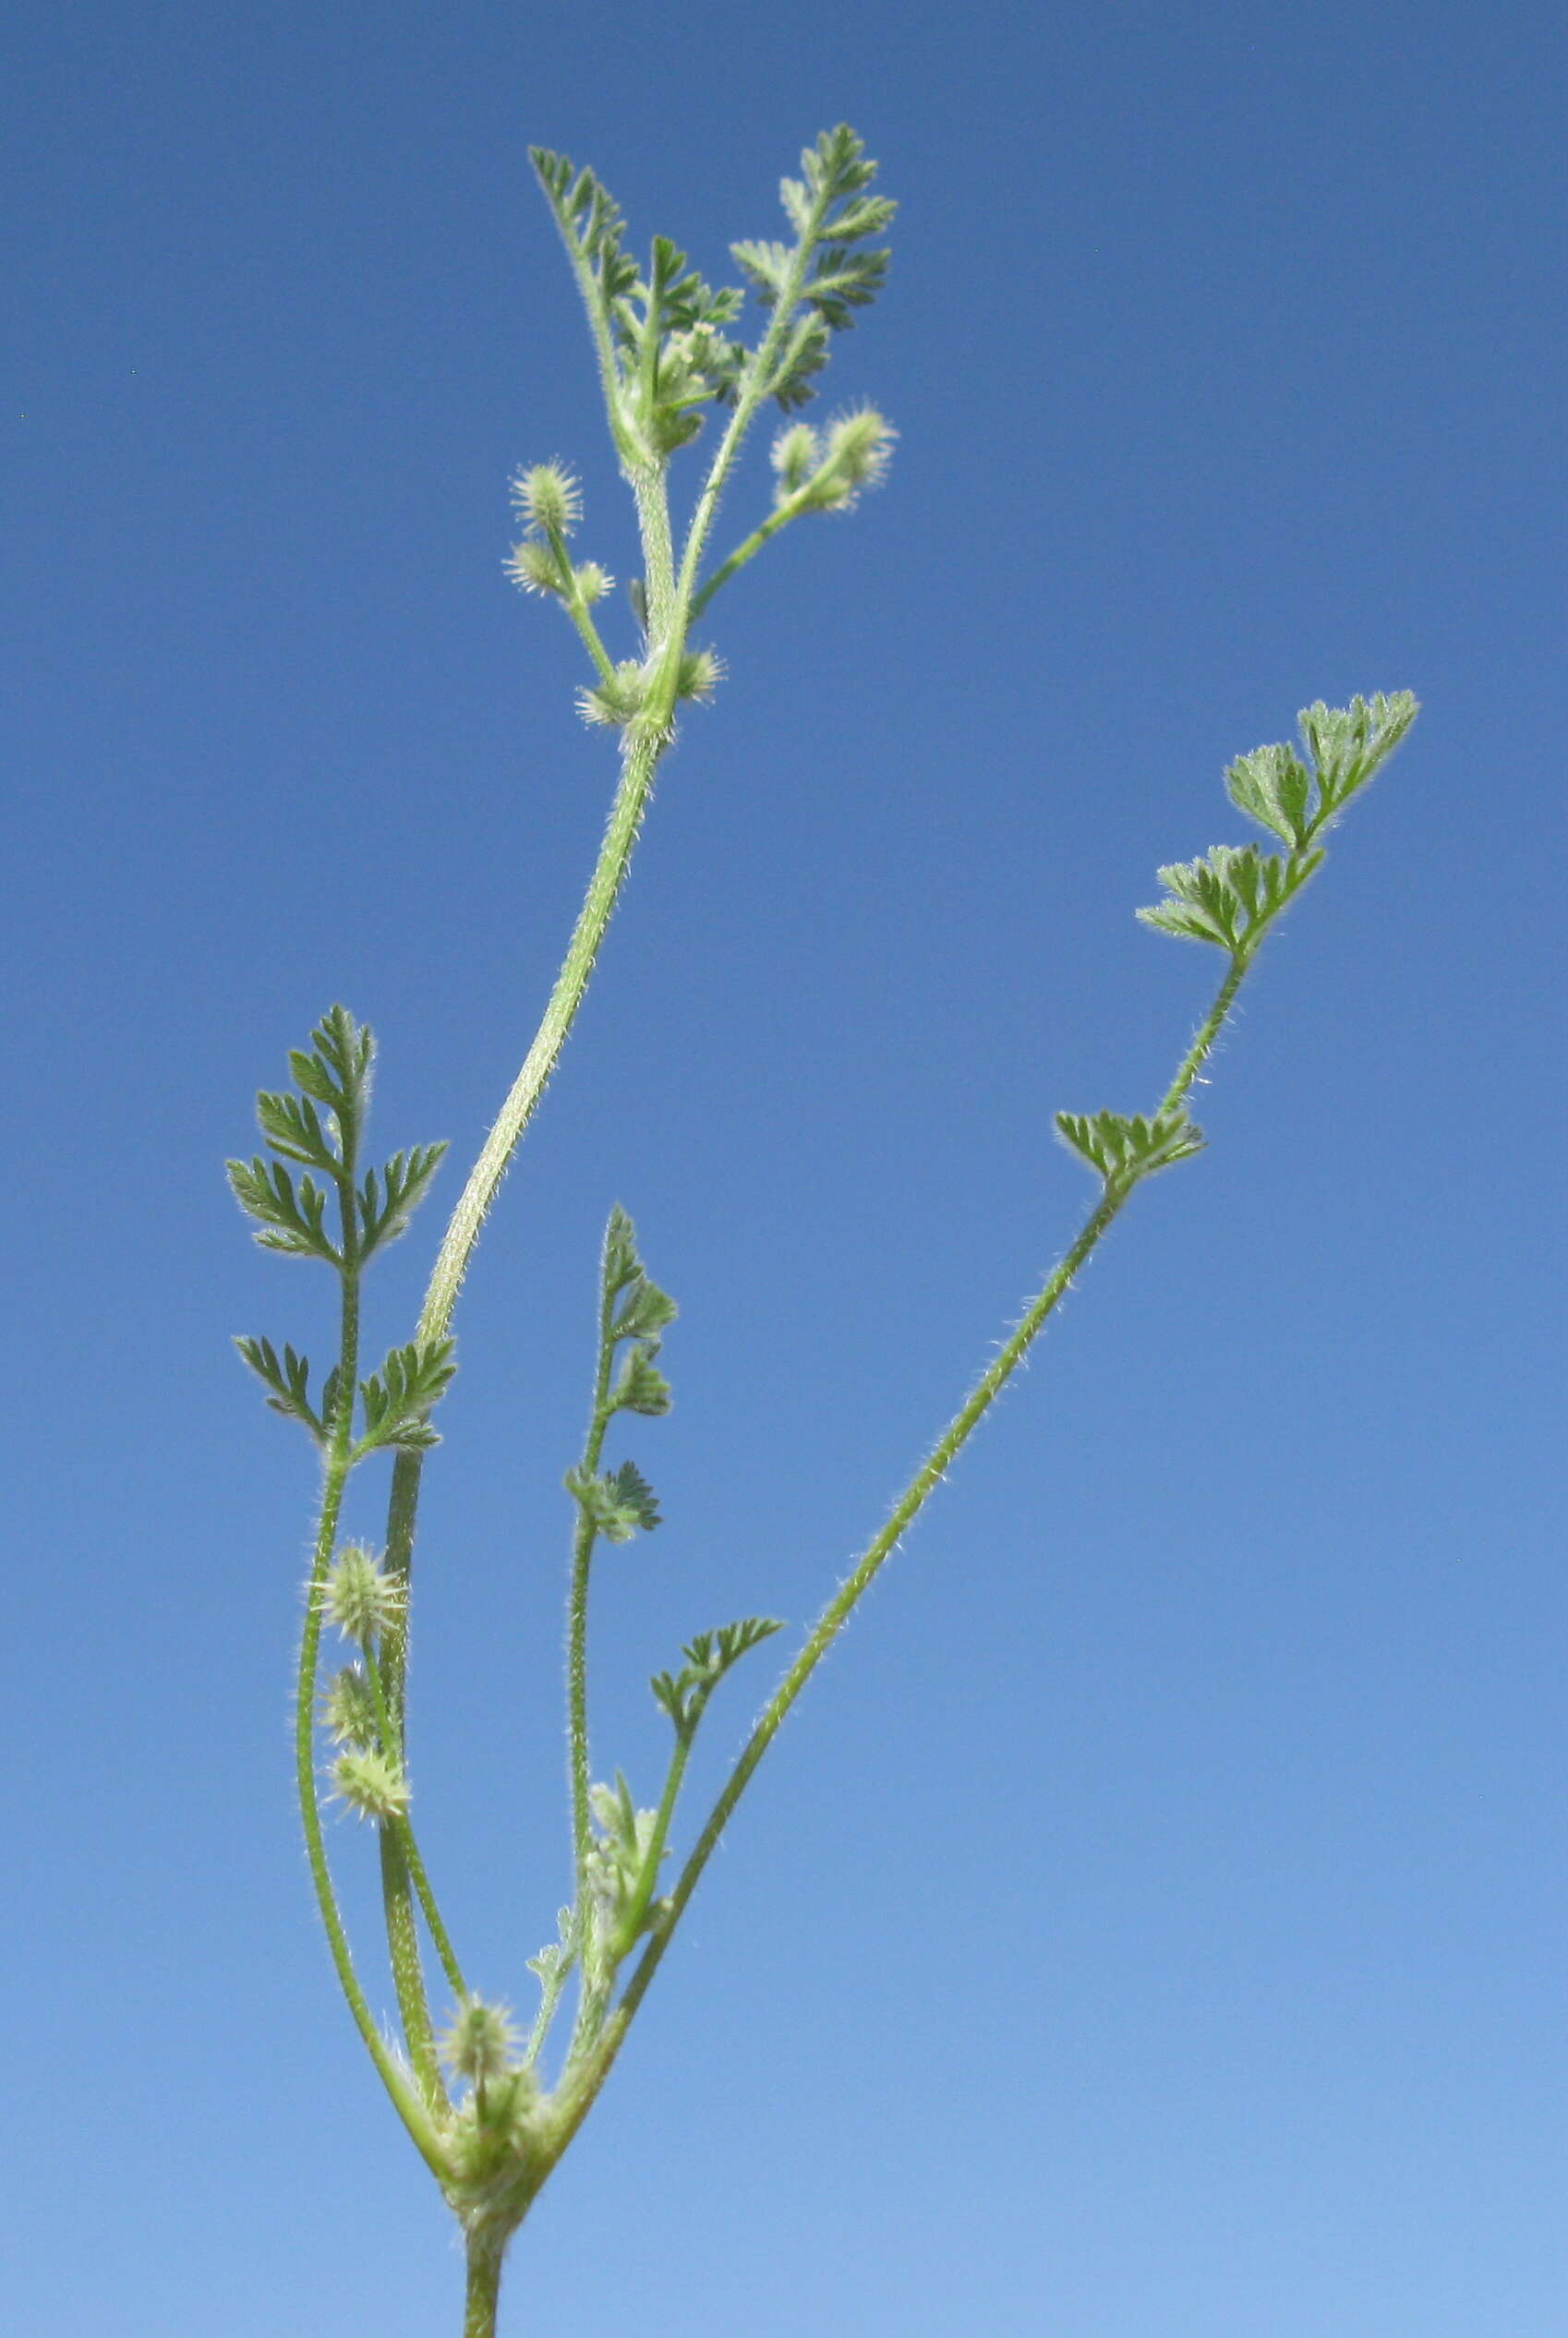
(795, 455)
(859, 449)
(372, 1787)
(548, 497)
(593, 582)
(347, 1708)
(618, 701)
(700, 674)
(358, 1597)
(535, 567)
(480, 2041)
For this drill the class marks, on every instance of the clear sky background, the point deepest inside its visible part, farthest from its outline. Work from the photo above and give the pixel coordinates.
(1152, 1923)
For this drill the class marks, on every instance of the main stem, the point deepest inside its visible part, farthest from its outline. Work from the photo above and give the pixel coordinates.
(641, 761)
(486, 2255)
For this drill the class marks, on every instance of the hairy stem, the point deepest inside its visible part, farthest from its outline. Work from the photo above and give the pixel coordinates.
(581, 2091)
(414, 1865)
(780, 516)
(339, 1430)
(523, 1098)
(485, 2253)
(406, 2102)
(408, 1968)
(753, 390)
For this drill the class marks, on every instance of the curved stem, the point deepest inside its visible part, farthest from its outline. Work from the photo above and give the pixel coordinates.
(405, 2101)
(403, 1829)
(484, 1181)
(521, 1101)
(408, 1968)
(413, 2112)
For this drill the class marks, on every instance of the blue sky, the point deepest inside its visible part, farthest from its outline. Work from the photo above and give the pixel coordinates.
(1151, 1924)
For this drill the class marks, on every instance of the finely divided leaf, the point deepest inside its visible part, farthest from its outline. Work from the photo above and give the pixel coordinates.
(289, 1382)
(292, 1220)
(1231, 896)
(709, 1655)
(642, 1387)
(1349, 743)
(398, 1398)
(635, 1496)
(338, 1073)
(1271, 786)
(292, 1125)
(1124, 1149)
(384, 1211)
(646, 1310)
(615, 1505)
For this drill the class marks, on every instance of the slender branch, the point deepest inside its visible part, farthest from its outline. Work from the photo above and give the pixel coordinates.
(577, 1707)
(576, 607)
(404, 1829)
(604, 889)
(408, 1968)
(413, 2112)
(752, 393)
(549, 1997)
(951, 1442)
(647, 1882)
(780, 516)
(405, 2102)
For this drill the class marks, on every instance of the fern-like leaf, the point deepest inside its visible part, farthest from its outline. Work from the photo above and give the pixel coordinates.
(398, 1399)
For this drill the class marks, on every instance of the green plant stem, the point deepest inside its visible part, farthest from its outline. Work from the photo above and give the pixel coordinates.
(409, 2108)
(751, 396)
(577, 1708)
(780, 516)
(522, 1101)
(631, 1922)
(584, 1541)
(485, 2253)
(652, 495)
(549, 1997)
(408, 1968)
(404, 1829)
(838, 1609)
(1208, 1030)
(577, 608)
(523, 1098)
(582, 2086)
(614, 859)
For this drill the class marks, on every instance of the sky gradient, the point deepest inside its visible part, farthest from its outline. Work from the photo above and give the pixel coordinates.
(1151, 1924)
